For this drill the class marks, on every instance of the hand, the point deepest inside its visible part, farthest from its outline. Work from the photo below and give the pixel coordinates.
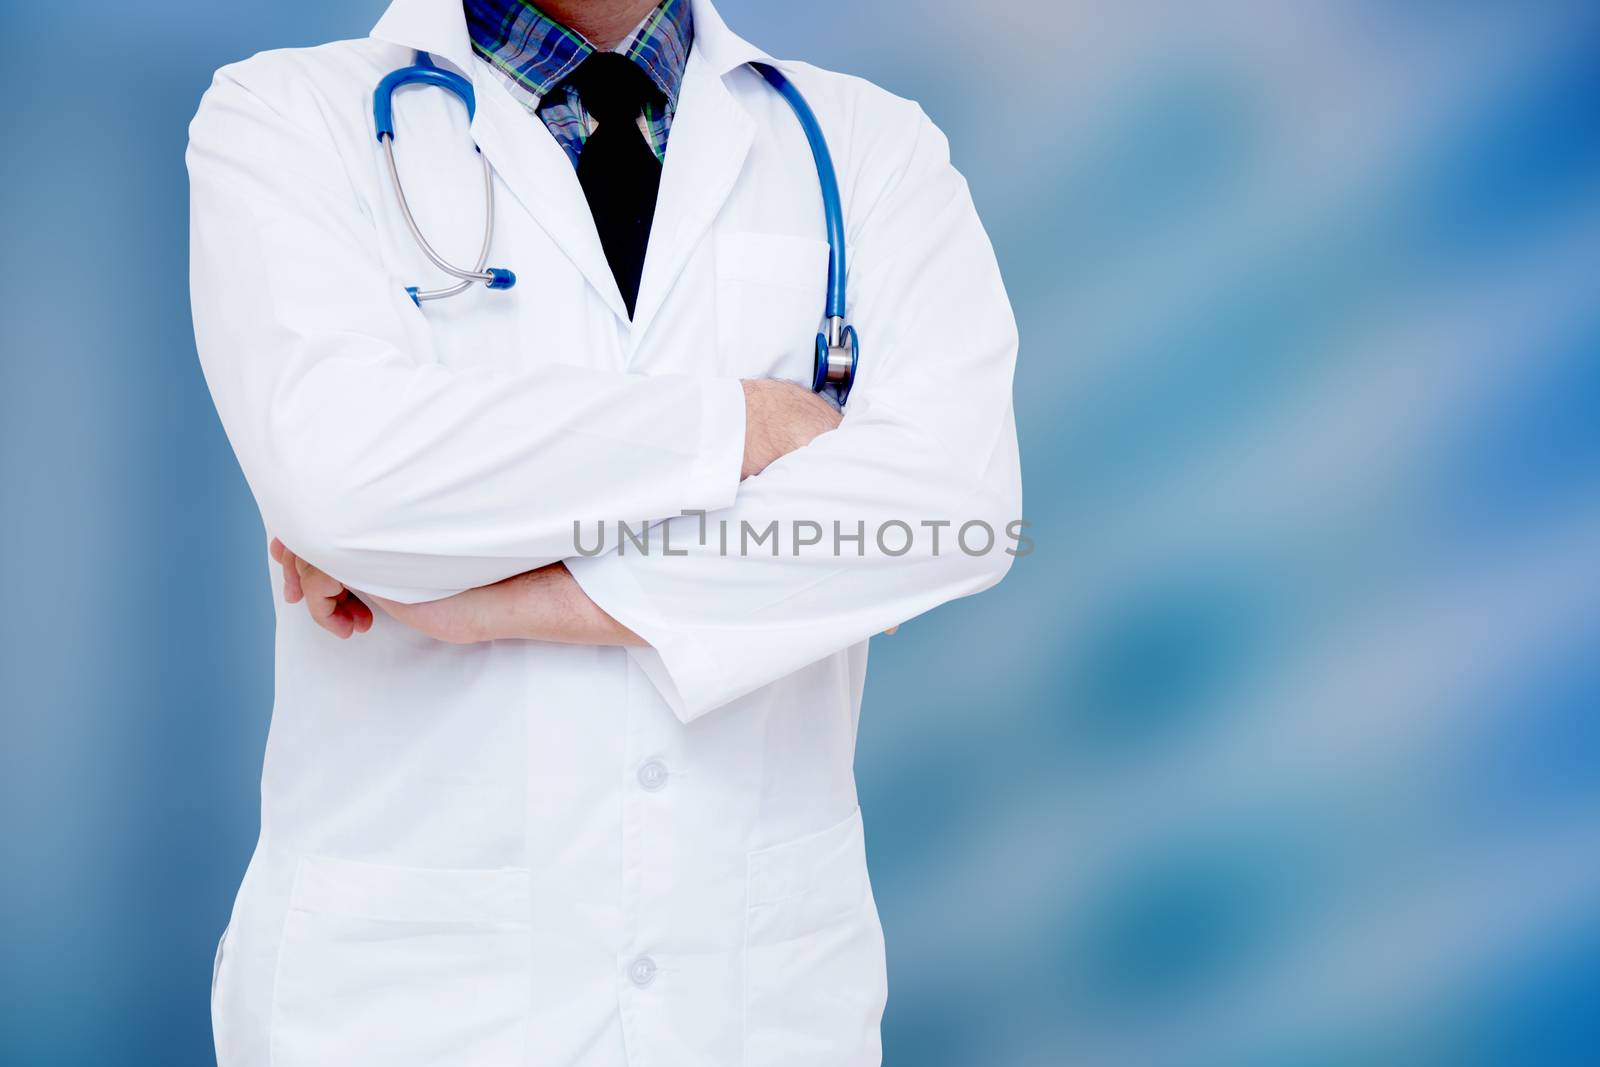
(332, 606)
(545, 604)
(779, 418)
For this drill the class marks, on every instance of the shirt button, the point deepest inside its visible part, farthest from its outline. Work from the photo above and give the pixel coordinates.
(642, 971)
(653, 776)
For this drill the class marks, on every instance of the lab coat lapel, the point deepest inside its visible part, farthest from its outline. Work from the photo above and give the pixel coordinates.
(540, 175)
(438, 27)
(711, 135)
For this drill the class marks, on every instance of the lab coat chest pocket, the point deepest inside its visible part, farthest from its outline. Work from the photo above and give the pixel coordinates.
(402, 966)
(771, 289)
(814, 975)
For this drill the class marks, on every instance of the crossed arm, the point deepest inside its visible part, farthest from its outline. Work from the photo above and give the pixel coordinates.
(546, 604)
(416, 481)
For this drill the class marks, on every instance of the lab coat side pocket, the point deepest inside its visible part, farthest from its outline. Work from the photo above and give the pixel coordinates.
(402, 966)
(814, 973)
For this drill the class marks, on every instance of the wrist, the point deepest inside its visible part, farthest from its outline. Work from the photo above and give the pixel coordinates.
(755, 425)
(592, 623)
(763, 402)
(550, 605)
(780, 417)
(533, 611)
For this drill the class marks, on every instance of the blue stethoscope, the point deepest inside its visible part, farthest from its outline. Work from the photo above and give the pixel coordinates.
(838, 349)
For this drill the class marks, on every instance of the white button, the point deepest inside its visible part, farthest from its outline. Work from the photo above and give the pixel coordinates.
(653, 776)
(642, 971)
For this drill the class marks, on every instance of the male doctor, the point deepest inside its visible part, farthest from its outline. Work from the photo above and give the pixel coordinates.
(550, 807)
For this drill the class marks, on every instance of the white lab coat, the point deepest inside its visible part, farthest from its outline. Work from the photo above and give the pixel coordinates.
(537, 854)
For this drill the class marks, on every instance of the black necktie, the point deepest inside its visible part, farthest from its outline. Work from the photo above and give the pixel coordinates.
(618, 171)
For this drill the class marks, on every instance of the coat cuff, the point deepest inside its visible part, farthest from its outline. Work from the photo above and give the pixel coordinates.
(719, 456)
(681, 670)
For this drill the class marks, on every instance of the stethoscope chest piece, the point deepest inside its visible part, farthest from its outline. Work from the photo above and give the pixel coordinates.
(837, 356)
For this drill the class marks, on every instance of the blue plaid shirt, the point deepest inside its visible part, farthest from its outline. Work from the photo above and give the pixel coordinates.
(532, 53)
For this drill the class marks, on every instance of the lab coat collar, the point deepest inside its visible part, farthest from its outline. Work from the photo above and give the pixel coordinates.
(711, 134)
(435, 26)
(722, 49)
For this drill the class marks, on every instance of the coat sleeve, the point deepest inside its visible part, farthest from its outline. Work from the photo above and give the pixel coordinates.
(366, 454)
(928, 438)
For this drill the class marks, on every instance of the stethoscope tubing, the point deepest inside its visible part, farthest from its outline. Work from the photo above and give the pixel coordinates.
(837, 348)
(468, 277)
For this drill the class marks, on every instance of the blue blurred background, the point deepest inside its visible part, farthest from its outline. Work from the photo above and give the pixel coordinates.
(1283, 750)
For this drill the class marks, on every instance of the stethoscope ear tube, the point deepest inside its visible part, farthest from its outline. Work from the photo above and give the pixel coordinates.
(383, 119)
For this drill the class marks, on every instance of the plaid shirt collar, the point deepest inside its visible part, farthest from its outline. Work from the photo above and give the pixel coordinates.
(535, 52)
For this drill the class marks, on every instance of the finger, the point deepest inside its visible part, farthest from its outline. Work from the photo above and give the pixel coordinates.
(319, 583)
(325, 612)
(321, 607)
(338, 621)
(891, 631)
(293, 593)
(360, 616)
(320, 602)
(275, 549)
